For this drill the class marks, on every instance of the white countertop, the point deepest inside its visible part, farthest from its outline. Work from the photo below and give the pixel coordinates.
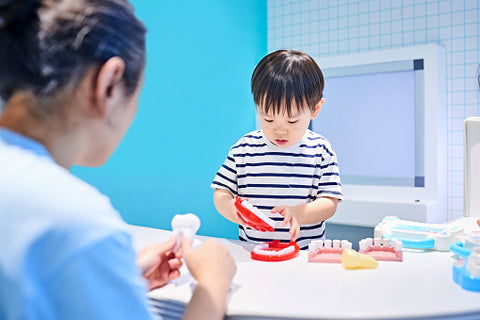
(419, 287)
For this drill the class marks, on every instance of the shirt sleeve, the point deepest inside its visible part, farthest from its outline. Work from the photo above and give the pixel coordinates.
(329, 184)
(102, 282)
(226, 177)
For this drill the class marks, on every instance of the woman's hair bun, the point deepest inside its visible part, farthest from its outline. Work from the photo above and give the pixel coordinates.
(18, 12)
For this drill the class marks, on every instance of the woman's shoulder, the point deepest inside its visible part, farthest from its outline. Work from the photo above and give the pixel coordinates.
(35, 186)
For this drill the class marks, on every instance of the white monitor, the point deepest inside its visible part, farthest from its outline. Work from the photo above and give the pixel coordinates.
(385, 115)
(472, 166)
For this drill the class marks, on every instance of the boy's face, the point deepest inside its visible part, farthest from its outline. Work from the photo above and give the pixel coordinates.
(283, 130)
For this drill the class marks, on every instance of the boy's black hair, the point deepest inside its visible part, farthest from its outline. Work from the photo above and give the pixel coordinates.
(284, 78)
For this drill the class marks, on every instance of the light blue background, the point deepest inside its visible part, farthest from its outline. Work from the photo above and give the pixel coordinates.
(195, 104)
(325, 28)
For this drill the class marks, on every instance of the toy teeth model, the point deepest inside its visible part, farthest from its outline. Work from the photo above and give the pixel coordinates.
(275, 251)
(463, 248)
(184, 225)
(418, 235)
(327, 250)
(467, 274)
(382, 249)
(253, 217)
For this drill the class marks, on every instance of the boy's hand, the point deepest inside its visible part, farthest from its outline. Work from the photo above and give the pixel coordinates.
(225, 204)
(292, 215)
(236, 217)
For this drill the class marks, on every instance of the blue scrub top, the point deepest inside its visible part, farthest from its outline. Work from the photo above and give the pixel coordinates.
(65, 252)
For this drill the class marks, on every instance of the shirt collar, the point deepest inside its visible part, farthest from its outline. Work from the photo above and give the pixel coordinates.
(10, 137)
(290, 148)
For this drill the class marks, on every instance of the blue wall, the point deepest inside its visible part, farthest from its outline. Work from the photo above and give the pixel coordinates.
(195, 104)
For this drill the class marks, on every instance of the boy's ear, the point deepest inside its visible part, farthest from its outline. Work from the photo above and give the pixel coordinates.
(318, 106)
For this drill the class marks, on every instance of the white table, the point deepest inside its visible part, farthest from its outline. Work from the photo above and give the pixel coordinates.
(420, 287)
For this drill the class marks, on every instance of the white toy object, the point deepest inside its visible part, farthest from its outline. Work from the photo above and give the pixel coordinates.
(382, 249)
(253, 217)
(327, 250)
(467, 273)
(184, 225)
(418, 235)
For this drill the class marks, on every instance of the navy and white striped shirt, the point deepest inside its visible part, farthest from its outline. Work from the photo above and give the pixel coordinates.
(270, 176)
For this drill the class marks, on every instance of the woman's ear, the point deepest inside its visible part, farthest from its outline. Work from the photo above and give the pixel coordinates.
(108, 86)
(318, 106)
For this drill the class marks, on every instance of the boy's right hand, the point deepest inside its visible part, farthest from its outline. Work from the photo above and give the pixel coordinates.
(211, 265)
(225, 204)
(237, 218)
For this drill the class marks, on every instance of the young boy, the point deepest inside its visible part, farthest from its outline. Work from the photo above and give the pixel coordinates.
(285, 170)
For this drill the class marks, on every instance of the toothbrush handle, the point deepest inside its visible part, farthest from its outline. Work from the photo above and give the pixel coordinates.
(427, 243)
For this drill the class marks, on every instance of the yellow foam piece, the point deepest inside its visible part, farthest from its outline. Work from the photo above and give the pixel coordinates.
(352, 259)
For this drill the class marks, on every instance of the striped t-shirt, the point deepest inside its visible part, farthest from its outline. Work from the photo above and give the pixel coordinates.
(270, 176)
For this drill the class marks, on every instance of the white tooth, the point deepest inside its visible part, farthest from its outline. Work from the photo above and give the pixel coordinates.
(385, 242)
(336, 244)
(260, 249)
(473, 263)
(184, 225)
(397, 244)
(362, 245)
(368, 242)
(377, 242)
(318, 244)
(285, 250)
(312, 247)
(247, 205)
(258, 213)
(345, 244)
(327, 244)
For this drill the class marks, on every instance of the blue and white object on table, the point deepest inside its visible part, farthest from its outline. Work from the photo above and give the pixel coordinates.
(463, 248)
(418, 235)
(467, 273)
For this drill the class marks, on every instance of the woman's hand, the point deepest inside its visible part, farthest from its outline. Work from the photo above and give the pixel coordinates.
(159, 264)
(213, 267)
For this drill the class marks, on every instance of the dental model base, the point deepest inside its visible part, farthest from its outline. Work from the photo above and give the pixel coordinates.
(382, 249)
(467, 274)
(418, 235)
(253, 217)
(463, 248)
(329, 251)
(275, 251)
(351, 259)
(184, 225)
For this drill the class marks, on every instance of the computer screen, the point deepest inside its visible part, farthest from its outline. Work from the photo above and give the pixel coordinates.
(369, 116)
(385, 115)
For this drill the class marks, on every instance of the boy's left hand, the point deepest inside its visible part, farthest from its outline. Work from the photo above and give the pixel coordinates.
(292, 215)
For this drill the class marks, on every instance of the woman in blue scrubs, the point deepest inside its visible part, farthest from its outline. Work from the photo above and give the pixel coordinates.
(70, 76)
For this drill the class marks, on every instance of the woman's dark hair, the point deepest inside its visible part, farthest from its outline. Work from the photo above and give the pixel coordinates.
(46, 44)
(286, 76)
